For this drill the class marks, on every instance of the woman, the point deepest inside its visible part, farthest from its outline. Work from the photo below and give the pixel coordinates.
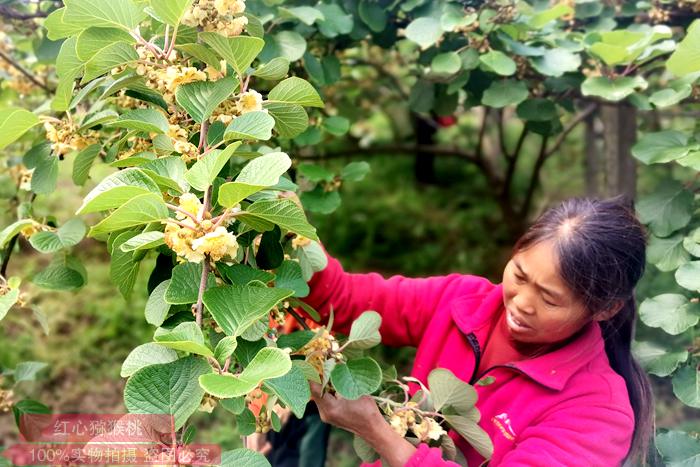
(554, 338)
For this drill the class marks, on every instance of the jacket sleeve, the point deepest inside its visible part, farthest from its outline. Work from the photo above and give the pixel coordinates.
(425, 456)
(405, 304)
(582, 434)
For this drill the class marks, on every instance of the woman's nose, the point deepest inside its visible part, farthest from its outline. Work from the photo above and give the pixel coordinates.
(523, 303)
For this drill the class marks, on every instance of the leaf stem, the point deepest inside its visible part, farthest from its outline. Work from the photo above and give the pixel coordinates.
(203, 136)
(202, 286)
(299, 319)
(172, 207)
(181, 224)
(172, 42)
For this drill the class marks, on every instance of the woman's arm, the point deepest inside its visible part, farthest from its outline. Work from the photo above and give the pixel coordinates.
(406, 304)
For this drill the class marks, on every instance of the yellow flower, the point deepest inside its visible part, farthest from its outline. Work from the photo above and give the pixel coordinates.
(190, 203)
(179, 239)
(249, 101)
(300, 241)
(428, 428)
(398, 424)
(217, 244)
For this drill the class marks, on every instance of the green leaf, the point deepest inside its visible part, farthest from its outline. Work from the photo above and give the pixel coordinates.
(28, 406)
(556, 62)
(236, 307)
(139, 210)
(170, 388)
(68, 68)
(667, 253)
(201, 53)
(123, 268)
(658, 360)
(356, 378)
(239, 51)
(306, 14)
(678, 449)
(292, 389)
(156, 306)
(504, 93)
(283, 212)
(144, 241)
(295, 91)
(83, 162)
(671, 312)
(55, 27)
(373, 15)
(27, 371)
(63, 273)
(336, 21)
(187, 337)
(14, 122)
(7, 301)
(184, 284)
(255, 125)
(336, 126)
(364, 332)
(246, 457)
(668, 209)
(498, 62)
(473, 433)
(145, 355)
(289, 277)
(201, 98)
(275, 69)
(66, 236)
(613, 90)
(45, 165)
(661, 146)
(688, 276)
(147, 120)
(541, 19)
(202, 174)
(269, 363)
(93, 40)
(225, 348)
(13, 229)
(117, 189)
(290, 119)
(122, 14)
(670, 96)
(424, 31)
(355, 171)
(537, 110)
(171, 11)
(686, 59)
(114, 55)
(446, 64)
(448, 390)
(312, 259)
(291, 45)
(242, 275)
(259, 173)
(686, 385)
(168, 173)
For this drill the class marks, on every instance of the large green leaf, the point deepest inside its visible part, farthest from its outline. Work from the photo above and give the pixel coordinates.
(148, 120)
(169, 388)
(156, 306)
(117, 189)
(57, 29)
(686, 58)
(269, 363)
(556, 62)
(239, 51)
(92, 40)
(290, 119)
(7, 301)
(295, 91)
(202, 174)
(289, 276)
(544, 17)
(13, 229)
(139, 210)
(243, 457)
(14, 122)
(187, 337)
(662, 146)
(171, 11)
(290, 45)
(144, 241)
(667, 209)
(292, 389)
(498, 62)
(667, 254)
(356, 378)
(183, 288)
(275, 69)
(473, 433)
(658, 360)
(424, 31)
(678, 449)
(63, 273)
(259, 173)
(66, 236)
(686, 385)
(612, 89)
(250, 126)
(448, 390)
(68, 68)
(671, 312)
(145, 355)
(45, 166)
(200, 98)
(114, 55)
(122, 14)
(83, 162)
(504, 93)
(123, 267)
(688, 276)
(236, 307)
(364, 332)
(283, 212)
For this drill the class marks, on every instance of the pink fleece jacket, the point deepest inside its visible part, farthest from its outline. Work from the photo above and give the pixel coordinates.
(564, 408)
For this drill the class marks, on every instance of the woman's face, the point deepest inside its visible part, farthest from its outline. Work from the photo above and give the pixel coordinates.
(540, 309)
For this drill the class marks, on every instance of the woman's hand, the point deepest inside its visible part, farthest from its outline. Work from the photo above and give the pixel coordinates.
(363, 418)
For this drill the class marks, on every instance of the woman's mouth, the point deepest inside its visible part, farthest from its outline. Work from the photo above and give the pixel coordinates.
(516, 324)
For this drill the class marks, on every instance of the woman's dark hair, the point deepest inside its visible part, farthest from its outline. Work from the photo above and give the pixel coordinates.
(601, 248)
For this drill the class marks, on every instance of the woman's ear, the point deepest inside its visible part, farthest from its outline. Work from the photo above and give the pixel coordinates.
(610, 312)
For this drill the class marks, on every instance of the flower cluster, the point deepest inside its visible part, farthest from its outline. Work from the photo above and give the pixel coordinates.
(189, 152)
(22, 176)
(166, 78)
(405, 418)
(137, 145)
(64, 137)
(319, 349)
(222, 16)
(195, 240)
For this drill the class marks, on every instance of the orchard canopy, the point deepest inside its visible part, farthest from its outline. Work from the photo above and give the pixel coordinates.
(200, 134)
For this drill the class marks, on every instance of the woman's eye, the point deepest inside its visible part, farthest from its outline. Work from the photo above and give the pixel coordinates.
(519, 278)
(550, 303)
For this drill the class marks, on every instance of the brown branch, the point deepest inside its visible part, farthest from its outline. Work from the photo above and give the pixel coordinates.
(482, 133)
(501, 134)
(573, 123)
(535, 179)
(512, 162)
(403, 149)
(299, 319)
(199, 306)
(8, 253)
(22, 70)
(7, 12)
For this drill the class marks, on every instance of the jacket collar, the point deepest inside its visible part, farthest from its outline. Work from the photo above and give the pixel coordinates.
(473, 313)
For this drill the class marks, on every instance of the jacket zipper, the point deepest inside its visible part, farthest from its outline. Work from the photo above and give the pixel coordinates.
(474, 342)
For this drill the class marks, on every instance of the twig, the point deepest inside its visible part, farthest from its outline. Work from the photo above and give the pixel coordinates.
(301, 320)
(573, 123)
(482, 132)
(202, 286)
(535, 178)
(181, 224)
(22, 70)
(227, 364)
(172, 207)
(203, 136)
(7, 12)
(8, 253)
(172, 42)
(207, 203)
